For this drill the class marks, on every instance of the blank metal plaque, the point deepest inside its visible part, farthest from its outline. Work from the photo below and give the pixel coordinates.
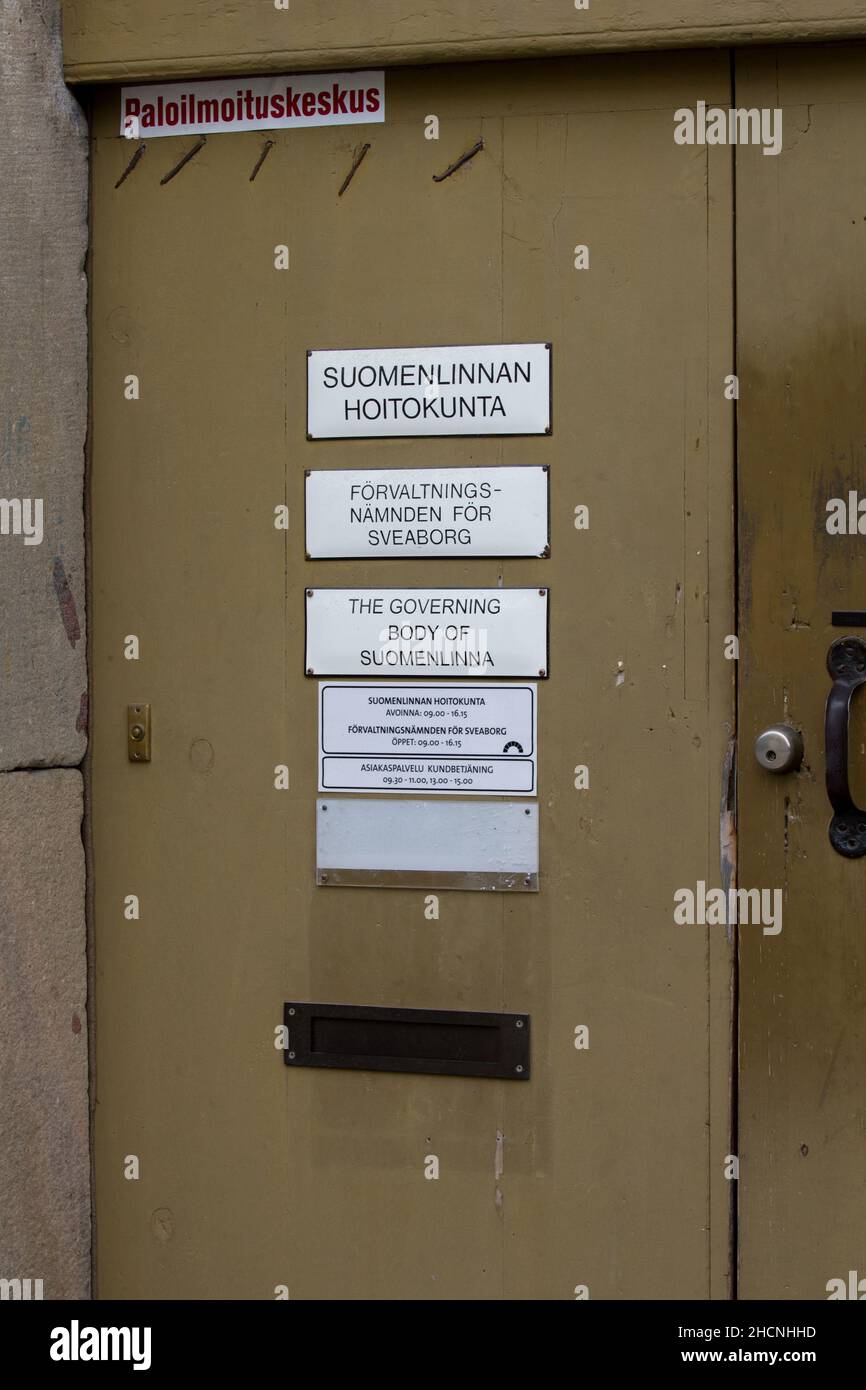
(438, 1042)
(365, 842)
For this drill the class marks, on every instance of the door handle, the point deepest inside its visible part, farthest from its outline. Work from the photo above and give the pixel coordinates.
(846, 662)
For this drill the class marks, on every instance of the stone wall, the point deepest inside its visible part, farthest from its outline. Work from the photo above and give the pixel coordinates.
(44, 1149)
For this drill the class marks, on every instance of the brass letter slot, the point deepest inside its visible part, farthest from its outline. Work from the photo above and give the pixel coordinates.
(138, 733)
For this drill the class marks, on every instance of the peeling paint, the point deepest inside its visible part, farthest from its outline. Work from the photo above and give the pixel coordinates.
(728, 824)
(498, 1169)
(499, 1156)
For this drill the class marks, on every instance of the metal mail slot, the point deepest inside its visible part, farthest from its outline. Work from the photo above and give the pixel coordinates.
(437, 1042)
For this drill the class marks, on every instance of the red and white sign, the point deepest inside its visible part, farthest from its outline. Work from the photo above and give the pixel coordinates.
(252, 103)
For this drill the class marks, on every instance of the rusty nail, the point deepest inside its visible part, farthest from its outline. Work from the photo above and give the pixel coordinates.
(131, 165)
(464, 158)
(266, 149)
(187, 157)
(351, 174)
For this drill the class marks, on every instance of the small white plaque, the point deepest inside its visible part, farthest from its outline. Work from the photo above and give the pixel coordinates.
(426, 632)
(387, 843)
(395, 513)
(476, 739)
(498, 388)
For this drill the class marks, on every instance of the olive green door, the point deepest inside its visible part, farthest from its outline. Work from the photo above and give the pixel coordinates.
(605, 1174)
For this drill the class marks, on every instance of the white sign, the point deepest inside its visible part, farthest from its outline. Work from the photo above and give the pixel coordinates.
(426, 632)
(372, 392)
(252, 103)
(428, 738)
(437, 512)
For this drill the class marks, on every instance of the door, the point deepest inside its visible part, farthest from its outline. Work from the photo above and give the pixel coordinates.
(801, 359)
(219, 1171)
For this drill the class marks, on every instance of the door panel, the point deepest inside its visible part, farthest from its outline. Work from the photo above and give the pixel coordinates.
(607, 1168)
(801, 225)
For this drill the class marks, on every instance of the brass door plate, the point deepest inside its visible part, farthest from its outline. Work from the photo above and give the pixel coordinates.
(138, 733)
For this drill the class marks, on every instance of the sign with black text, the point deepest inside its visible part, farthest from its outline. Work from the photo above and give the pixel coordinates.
(433, 512)
(426, 632)
(477, 739)
(500, 388)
